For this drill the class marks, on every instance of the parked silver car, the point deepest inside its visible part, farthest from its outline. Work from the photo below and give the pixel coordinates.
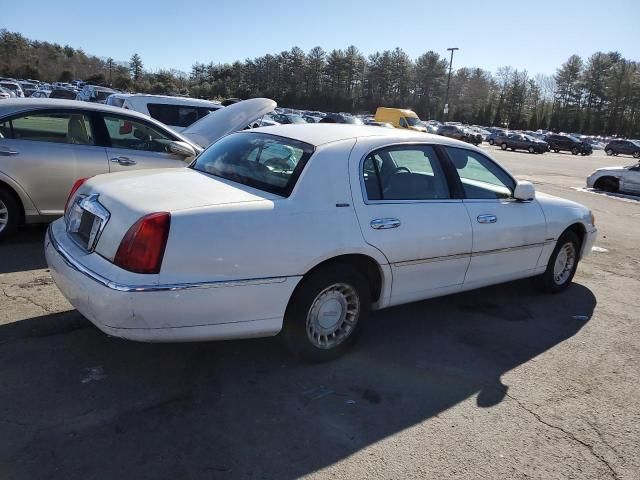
(46, 145)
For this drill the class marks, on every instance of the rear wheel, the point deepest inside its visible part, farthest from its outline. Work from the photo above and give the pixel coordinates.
(503, 146)
(9, 214)
(562, 265)
(557, 150)
(575, 151)
(326, 313)
(608, 151)
(491, 141)
(636, 154)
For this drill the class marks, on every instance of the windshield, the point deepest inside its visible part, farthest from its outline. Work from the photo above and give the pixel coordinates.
(103, 94)
(413, 122)
(259, 160)
(296, 119)
(352, 120)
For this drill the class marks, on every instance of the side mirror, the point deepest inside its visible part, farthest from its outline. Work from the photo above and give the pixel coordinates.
(525, 191)
(182, 149)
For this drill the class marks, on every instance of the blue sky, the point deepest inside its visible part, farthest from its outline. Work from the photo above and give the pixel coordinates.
(534, 35)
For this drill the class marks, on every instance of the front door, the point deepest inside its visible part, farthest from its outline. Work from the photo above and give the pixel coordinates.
(631, 180)
(136, 144)
(47, 151)
(508, 235)
(407, 212)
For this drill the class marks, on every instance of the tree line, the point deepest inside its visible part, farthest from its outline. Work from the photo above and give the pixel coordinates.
(597, 95)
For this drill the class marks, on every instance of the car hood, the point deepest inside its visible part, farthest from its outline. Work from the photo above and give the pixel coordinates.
(548, 202)
(612, 169)
(227, 120)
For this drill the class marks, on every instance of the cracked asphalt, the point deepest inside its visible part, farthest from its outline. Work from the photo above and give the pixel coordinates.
(502, 382)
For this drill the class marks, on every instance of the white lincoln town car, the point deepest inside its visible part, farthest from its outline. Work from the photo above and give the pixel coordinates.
(303, 229)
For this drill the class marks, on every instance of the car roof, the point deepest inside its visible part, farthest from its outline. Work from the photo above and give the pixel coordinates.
(317, 134)
(16, 105)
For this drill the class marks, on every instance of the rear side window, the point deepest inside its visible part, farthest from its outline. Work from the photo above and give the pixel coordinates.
(481, 178)
(73, 128)
(404, 173)
(177, 115)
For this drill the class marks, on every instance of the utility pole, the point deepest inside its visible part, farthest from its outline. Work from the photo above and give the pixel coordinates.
(110, 65)
(446, 97)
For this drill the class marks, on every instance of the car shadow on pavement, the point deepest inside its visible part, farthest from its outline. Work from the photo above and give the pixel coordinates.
(78, 404)
(24, 250)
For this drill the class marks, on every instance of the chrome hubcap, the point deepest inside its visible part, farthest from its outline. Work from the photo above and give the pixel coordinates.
(333, 316)
(565, 261)
(4, 216)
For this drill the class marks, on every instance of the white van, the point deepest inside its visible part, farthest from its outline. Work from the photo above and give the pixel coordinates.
(175, 112)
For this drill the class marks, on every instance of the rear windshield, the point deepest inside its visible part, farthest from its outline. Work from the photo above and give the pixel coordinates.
(266, 162)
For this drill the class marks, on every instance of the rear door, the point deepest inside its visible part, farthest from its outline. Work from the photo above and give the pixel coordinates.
(134, 143)
(406, 210)
(508, 235)
(46, 151)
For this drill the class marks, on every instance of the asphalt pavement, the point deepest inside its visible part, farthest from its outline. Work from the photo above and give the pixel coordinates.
(502, 382)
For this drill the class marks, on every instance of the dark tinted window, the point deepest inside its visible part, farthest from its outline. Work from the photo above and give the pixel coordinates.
(177, 115)
(262, 161)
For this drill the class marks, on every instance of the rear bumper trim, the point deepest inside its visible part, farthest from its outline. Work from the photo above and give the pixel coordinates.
(74, 264)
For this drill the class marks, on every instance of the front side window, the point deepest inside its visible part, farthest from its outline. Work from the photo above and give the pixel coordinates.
(73, 128)
(481, 178)
(262, 161)
(135, 135)
(404, 173)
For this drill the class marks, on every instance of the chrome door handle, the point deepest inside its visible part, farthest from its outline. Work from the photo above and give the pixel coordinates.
(7, 151)
(487, 218)
(384, 223)
(123, 161)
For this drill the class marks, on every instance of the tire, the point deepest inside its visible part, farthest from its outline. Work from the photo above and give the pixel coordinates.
(491, 141)
(562, 265)
(607, 184)
(532, 150)
(557, 150)
(503, 146)
(341, 286)
(10, 214)
(575, 151)
(513, 149)
(636, 154)
(608, 151)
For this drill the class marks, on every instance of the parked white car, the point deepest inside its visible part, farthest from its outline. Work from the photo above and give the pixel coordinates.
(175, 112)
(304, 229)
(616, 179)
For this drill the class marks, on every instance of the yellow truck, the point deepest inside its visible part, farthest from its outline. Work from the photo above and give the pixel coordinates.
(400, 118)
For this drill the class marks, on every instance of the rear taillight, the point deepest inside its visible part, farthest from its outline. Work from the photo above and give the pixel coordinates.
(142, 248)
(76, 185)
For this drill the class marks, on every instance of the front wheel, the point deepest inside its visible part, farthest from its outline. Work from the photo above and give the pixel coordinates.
(326, 312)
(532, 150)
(608, 151)
(9, 214)
(575, 151)
(562, 265)
(636, 154)
(491, 141)
(503, 146)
